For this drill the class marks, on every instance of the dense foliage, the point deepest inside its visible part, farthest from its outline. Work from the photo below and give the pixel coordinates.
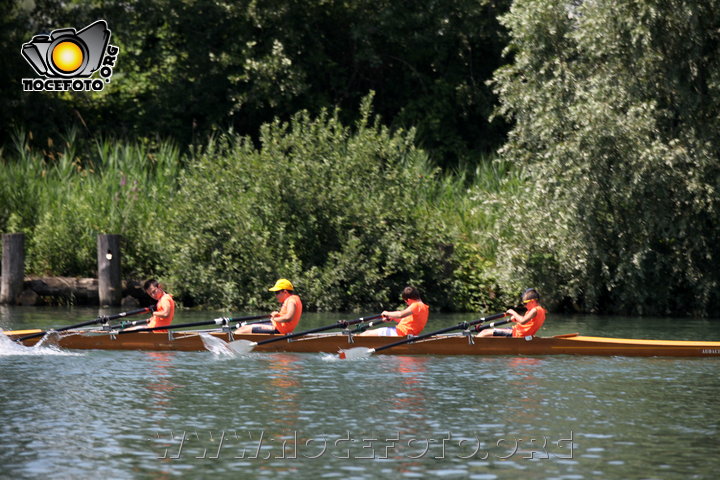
(334, 210)
(615, 106)
(187, 68)
(229, 150)
(351, 215)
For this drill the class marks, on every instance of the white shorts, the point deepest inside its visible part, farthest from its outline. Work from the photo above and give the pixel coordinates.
(386, 332)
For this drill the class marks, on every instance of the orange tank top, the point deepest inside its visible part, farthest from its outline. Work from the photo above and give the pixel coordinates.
(532, 326)
(165, 304)
(414, 323)
(288, 327)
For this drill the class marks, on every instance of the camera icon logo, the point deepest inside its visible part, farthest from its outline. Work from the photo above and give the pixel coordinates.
(68, 54)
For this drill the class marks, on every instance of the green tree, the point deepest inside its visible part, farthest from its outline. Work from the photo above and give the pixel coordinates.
(187, 68)
(614, 105)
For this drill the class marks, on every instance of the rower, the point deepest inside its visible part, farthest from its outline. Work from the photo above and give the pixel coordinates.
(411, 320)
(164, 310)
(285, 320)
(526, 325)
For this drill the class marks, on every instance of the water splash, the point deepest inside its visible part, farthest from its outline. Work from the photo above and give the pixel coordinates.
(50, 339)
(46, 346)
(329, 357)
(217, 346)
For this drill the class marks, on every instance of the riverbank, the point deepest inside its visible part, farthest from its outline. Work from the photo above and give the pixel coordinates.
(44, 291)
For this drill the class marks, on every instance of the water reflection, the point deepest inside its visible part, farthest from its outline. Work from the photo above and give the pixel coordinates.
(522, 375)
(411, 398)
(410, 402)
(284, 371)
(161, 385)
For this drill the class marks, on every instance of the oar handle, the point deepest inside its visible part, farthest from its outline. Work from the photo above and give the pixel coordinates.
(251, 317)
(362, 328)
(480, 328)
(123, 325)
(339, 324)
(254, 322)
(102, 319)
(216, 321)
(251, 320)
(459, 326)
(127, 314)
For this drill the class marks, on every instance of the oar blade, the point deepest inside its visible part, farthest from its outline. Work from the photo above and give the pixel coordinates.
(355, 353)
(215, 345)
(50, 339)
(242, 346)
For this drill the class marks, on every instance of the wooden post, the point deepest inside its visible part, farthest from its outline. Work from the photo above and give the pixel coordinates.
(13, 267)
(109, 284)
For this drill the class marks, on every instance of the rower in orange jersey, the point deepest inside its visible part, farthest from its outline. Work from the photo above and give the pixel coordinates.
(165, 309)
(526, 325)
(411, 321)
(285, 320)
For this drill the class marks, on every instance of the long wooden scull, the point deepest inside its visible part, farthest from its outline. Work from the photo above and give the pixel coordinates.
(571, 344)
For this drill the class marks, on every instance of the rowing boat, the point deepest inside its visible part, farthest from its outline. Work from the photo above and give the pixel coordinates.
(458, 344)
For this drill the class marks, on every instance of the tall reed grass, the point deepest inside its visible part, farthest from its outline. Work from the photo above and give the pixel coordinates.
(63, 195)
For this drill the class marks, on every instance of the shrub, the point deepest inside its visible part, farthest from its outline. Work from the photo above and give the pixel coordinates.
(333, 208)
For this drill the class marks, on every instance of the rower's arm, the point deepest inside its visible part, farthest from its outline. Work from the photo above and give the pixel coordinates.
(398, 314)
(522, 319)
(163, 310)
(287, 316)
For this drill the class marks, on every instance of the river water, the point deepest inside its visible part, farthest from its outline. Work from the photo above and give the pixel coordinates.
(110, 414)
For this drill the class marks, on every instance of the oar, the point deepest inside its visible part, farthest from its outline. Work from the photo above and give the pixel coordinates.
(216, 321)
(265, 319)
(362, 328)
(90, 322)
(364, 352)
(123, 325)
(246, 346)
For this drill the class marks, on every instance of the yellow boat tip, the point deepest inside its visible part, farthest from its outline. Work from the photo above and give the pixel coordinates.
(11, 333)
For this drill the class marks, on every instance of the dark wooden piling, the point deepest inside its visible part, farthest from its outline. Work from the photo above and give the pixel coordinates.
(13, 267)
(109, 283)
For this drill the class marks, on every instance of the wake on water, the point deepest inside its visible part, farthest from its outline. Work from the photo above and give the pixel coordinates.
(9, 347)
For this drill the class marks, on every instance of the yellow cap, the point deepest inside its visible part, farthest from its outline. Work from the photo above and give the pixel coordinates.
(282, 284)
